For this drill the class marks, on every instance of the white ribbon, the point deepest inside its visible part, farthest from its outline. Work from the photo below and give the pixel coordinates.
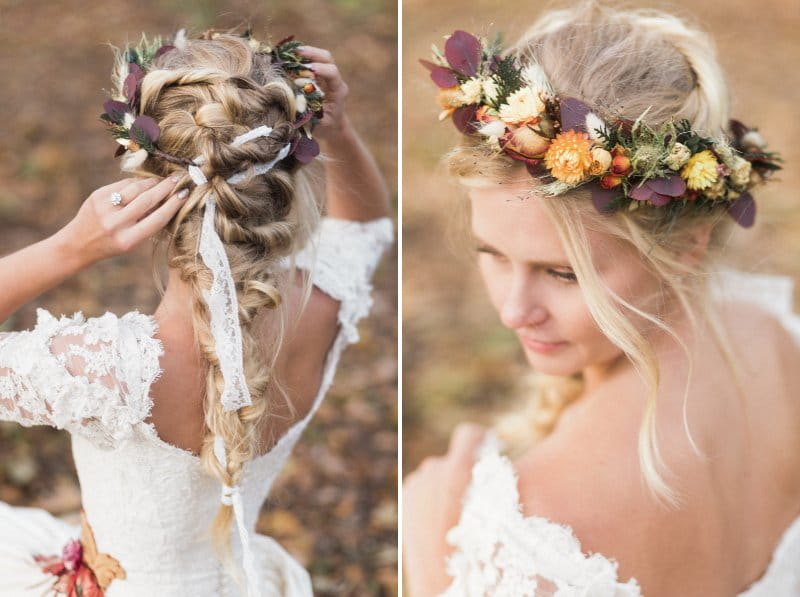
(221, 298)
(232, 496)
(226, 329)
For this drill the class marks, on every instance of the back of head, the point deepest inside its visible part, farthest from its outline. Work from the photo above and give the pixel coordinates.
(203, 93)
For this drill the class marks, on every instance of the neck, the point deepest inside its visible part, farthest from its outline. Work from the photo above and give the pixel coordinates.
(174, 310)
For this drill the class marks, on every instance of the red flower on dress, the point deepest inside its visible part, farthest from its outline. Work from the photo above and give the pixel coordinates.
(74, 578)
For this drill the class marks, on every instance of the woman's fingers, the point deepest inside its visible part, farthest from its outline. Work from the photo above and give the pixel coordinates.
(315, 54)
(140, 205)
(328, 76)
(152, 223)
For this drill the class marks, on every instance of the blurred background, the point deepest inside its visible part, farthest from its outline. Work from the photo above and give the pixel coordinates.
(459, 364)
(334, 507)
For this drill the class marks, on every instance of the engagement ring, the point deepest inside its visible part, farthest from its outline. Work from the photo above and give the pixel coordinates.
(116, 198)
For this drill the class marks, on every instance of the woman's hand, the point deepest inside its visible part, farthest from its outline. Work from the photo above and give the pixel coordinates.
(101, 229)
(432, 498)
(329, 79)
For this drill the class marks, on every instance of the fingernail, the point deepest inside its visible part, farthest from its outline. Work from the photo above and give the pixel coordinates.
(175, 178)
(183, 194)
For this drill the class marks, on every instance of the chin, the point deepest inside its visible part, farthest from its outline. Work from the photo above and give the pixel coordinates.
(561, 365)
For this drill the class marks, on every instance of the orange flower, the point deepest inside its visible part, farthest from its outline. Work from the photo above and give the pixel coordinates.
(569, 157)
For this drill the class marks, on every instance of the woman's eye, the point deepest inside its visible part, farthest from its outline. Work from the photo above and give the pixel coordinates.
(565, 276)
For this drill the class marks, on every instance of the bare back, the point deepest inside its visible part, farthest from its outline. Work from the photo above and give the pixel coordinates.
(178, 395)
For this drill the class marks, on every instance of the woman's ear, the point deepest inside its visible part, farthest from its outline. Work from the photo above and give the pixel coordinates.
(697, 247)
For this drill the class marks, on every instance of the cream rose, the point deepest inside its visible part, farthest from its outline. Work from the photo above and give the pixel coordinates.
(678, 156)
(740, 171)
(601, 161)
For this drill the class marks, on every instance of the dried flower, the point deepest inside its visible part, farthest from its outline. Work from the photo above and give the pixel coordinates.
(601, 161)
(700, 171)
(621, 165)
(740, 172)
(716, 190)
(678, 156)
(522, 106)
(609, 181)
(523, 143)
(489, 89)
(472, 90)
(569, 156)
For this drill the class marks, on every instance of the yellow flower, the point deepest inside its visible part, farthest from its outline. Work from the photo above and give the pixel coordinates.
(569, 157)
(700, 172)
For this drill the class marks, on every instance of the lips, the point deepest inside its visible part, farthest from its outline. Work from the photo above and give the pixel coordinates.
(541, 346)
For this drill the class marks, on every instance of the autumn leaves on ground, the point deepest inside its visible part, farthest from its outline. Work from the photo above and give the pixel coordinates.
(334, 507)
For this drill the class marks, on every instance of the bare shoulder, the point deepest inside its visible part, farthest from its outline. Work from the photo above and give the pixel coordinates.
(588, 476)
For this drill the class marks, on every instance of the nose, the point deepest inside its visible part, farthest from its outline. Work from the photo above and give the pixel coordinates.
(522, 306)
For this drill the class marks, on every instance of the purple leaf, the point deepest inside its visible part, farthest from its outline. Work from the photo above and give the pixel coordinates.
(743, 210)
(463, 53)
(642, 193)
(673, 185)
(129, 87)
(658, 199)
(306, 150)
(464, 117)
(601, 198)
(144, 130)
(443, 77)
(304, 118)
(163, 50)
(573, 114)
(116, 110)
(135, 70)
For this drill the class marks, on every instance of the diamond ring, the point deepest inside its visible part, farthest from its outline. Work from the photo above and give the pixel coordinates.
(116, 198)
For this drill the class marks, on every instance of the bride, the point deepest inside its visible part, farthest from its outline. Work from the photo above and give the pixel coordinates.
(181, 420)
(660, 451)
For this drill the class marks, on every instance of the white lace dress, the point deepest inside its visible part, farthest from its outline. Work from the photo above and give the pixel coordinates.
(501, 553)
(149, 503)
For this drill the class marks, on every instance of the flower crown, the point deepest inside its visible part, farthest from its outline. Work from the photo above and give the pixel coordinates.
(516, 111)
(137, 133)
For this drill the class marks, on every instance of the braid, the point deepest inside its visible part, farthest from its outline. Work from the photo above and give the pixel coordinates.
(202, 97)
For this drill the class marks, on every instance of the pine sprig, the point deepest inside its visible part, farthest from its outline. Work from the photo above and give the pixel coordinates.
(508, 78)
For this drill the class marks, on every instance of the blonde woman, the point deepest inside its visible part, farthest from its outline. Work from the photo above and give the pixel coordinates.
(660, 453)
(181, 420)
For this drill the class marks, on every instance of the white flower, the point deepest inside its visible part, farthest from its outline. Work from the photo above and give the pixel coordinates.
(180, 39)
(753, 139)
(300, 103)
(593, 123)
(132, 160)
(725, 153)
(678, 156)
(522, 106)
(472, 90)
(535, 77)
(740, 171)
(123, 142)
(302, 81)
(489, 89)
(128, 120)
(494, 129)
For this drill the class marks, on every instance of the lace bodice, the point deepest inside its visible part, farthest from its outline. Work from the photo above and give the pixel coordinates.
(149, 503)
(501, 553)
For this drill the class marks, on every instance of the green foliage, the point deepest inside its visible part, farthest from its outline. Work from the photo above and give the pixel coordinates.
(508, 79)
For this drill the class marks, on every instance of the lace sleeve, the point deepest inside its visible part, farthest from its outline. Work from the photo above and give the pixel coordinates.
(88, 376)
(342, 259)
(501, 553)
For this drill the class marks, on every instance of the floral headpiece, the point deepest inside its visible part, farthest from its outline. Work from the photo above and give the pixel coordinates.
(516, 111)
(138, 133)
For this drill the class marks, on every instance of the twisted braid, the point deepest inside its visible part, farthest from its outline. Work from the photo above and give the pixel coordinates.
(203, 96)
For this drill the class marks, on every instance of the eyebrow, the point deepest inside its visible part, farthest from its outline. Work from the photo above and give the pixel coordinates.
(482, 245)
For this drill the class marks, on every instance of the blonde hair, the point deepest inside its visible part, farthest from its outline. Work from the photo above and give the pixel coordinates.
(202, 95)
(622, 63)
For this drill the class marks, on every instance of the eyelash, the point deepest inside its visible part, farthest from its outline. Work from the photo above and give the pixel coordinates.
(561, 276)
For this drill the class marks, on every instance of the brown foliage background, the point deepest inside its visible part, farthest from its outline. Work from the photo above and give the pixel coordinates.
(458, 362)
(335, 505)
